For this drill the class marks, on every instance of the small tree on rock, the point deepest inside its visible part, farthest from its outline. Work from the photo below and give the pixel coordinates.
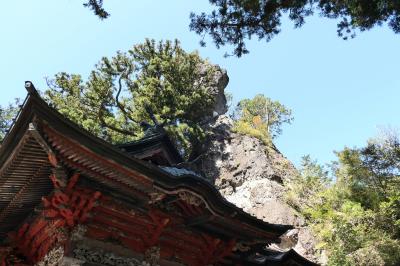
(262, 116)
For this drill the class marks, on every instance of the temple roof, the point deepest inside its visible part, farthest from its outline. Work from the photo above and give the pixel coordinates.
(156, 147)
(41, 137)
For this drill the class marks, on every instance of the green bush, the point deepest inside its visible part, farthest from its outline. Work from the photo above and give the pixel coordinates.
(244, 128)
(356, 218)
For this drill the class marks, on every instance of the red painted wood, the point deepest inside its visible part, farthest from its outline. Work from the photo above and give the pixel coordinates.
(60, 140)
(139, 231)
(66, 207)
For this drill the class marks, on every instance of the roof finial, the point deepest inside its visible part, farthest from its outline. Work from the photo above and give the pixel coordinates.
(30, 88)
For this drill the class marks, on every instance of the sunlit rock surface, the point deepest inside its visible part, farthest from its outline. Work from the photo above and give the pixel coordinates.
(251, 175)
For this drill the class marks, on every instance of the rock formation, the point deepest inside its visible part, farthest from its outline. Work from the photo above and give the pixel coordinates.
(250, 175)
(219, 81)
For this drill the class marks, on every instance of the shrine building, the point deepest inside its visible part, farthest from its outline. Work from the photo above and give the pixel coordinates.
(68, 197)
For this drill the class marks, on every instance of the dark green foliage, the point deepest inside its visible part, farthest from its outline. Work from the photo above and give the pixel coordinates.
(234, 21)
(7, 114)
(97, 7)
(357, 217)
(156, 83)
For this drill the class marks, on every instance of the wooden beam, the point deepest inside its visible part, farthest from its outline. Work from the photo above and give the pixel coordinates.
(32, 129)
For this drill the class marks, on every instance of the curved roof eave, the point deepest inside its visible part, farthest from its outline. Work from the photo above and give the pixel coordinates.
(36, 108)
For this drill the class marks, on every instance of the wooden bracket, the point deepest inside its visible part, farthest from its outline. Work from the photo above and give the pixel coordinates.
(66, 207)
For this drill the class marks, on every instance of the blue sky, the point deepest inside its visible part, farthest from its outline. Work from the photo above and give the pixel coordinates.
(339, 91)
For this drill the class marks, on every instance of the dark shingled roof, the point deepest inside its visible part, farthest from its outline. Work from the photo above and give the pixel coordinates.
(21, 192)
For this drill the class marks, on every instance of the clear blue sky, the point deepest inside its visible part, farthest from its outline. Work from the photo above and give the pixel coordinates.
(339, 91)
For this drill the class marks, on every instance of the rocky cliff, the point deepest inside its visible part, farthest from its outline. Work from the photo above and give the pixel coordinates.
(250, 175)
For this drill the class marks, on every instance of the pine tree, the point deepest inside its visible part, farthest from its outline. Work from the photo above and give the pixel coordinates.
(153, 83)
